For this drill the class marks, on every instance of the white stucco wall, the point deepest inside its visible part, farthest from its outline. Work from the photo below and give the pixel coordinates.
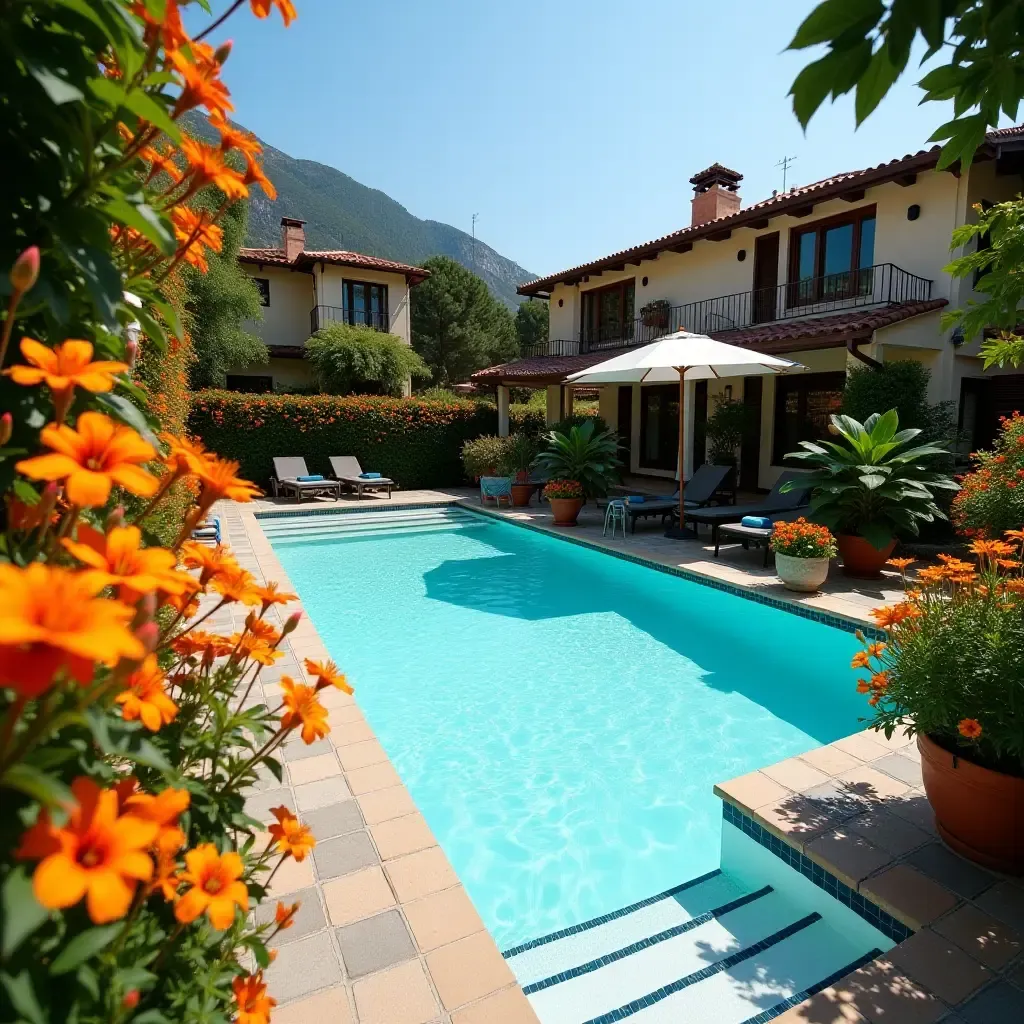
(330, 292)
(286, 320)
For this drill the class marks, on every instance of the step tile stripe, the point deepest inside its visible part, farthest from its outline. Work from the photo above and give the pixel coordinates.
(605, 918)
(706, 972)
(653, 940)
(795, 1000)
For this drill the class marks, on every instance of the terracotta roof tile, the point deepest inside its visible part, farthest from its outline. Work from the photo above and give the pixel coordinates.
(339, 257)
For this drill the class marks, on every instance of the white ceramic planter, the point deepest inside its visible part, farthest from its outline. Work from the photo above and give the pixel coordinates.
(802, 574)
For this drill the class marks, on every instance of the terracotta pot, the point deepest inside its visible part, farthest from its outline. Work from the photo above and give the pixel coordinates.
(521, 477)
(521, 494)
(565, 510)
(801, 574)
(979, 812)
(861, 558)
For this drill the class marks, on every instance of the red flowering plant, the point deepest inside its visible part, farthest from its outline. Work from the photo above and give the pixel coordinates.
(802, 539)
(566, 489)
(951, 664)
(991, 498)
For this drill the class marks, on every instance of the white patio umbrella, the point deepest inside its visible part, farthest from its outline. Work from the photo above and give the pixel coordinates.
(682, 356)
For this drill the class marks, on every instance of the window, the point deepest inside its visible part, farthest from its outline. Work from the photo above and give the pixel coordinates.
(263, 287)
(803, 405)
(608, 312)
(829, 260)
(659, 426)
(366, 305)
(249, 385)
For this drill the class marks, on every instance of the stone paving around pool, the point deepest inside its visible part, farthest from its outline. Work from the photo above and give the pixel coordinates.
(388, 935)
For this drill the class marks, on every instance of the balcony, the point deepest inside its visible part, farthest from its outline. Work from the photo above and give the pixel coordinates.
(881, 285)
(320, 316)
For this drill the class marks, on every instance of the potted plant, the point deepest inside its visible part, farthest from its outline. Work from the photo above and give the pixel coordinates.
(950, 671)
(566, 497)
(656, 313)
(802, 554)
(517, 458)
(725, 430)
(584, 454)
(481, 456)
(869, 485)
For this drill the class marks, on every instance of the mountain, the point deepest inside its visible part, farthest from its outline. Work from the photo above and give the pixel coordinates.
(342, 213)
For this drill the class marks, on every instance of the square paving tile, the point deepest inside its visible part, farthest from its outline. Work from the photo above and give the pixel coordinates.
(313, 769)
(303, 967)
(296, 750)
(847, 855)
(863, 745)
(320, 794)
(344, 855)
(384, 804)
(291, 876)
(868, 782)
(329, 1006)
(258, 805)
(361, 755)
(795, 774)
(468, 969)
(373, 778)
(420, 874)
(888, 831)
(1001, 1003)
(908, 895)
(308, 918)
(884, 995)
(403, 835)
(375, 943)
(939, 966)
(401, 995)
(333, 820)
(831, 760)
(913, 806)
(509, 1006)
(1005, 902)
(900, 767)
(442, 918)
(361, 894)
(752, 790)
(345, 734)
(961, 876)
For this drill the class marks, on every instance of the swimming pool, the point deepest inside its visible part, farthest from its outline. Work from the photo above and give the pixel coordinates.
(560, 716)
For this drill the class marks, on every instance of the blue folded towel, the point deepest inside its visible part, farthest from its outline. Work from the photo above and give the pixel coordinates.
(758, 522)
(310, 479)
(370, 476)
(635, 499)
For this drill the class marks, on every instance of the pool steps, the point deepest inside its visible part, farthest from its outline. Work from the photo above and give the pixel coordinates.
(709, 950)
(353, 524)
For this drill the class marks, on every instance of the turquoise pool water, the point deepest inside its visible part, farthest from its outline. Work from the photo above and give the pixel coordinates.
(560, 716)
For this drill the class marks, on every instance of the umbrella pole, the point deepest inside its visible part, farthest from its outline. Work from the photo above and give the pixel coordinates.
(682, 433)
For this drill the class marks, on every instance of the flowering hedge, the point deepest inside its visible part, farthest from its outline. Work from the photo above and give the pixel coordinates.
(417, 443)
(991, 498)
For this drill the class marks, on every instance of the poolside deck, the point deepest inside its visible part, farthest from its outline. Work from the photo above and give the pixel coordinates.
(388, 935)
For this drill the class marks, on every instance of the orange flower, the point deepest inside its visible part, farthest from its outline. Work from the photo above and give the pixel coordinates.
(254, 1005)
(900, 563)
(303, 707)
(92, 458)
(254, 176)
(201, 85)
(970, 728)
(160, 162)
(234, 138)
(893, 615)
(165, 808)
(183, 454)
(327, 674)
(197, 641)
(219, 481)
(195, 233)
(170, 28)
(880, 682)
(215, 890)
(118, 558)
(97, 854)
(863, 686)
(860, 660)
(1017, 535)
(166, 879)
(261, 8)
(236, 584)
(875, 650)
(51, 619)
(208, 167)
(64, 368)
(991, 548)
(210, 561)
(270, 594)
(146, 698)
(293, 839)
(284, 915)
(251, 646)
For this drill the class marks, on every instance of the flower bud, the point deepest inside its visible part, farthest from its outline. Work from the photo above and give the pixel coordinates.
(116, 518)
(131, 350)
(291, 624)
(6, 428)
(147, 605)
(148, 635)
(250, 619)
(131, 999)
(222, 52)
(25, 271)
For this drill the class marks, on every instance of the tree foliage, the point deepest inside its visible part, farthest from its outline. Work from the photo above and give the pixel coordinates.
(219, 299)
(584, 454)
(532, 323)
(350, 360)
(458, 327)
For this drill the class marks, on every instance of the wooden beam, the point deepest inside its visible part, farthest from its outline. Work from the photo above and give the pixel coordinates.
(802, 211)
(757, 225)
(720, 236)
(618, 266)
(855, 196)
(635, 263)
(682, 247)
(906, 180)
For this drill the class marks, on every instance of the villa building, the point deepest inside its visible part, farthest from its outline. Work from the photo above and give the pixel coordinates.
(303, 289)
(847, 269)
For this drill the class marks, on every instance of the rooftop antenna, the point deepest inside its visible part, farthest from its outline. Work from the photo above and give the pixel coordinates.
(785, 163)
(475, 215)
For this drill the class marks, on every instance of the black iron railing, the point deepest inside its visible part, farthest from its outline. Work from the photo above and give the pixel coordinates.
(321, 315)
(882, 284)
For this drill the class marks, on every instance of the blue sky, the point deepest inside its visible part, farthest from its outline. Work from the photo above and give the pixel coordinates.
(570, 128)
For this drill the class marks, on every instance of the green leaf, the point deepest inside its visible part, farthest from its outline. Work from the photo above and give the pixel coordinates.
(810, 88)
(834, 18)
(127, 412)
(23, 913)
(84, 946)
(58, 89)
(19, 991)
(38, 785)
(150, 1017)
(259, 951)
(171, 318)
(143, 219)
(152, 329)
(102, 279)
(876, 81)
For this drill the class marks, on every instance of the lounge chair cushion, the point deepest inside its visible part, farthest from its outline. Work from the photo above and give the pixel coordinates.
(370, 476)
(309, 479)
(758, 522)
(635, 499)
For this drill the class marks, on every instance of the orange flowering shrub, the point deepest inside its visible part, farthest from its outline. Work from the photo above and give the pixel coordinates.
(563, 489)
(991, 497)
(128, 742)
(951, 664)
(802, 539)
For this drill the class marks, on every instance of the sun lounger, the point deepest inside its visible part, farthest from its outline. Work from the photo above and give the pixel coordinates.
(699, 491)
(350, 474)
(773, 503)
(747, 535)
(288, 474)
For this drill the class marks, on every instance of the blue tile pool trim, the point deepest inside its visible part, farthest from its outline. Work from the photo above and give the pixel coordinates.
(337, 509)
(874, 915)
(575, 929)
(706, 972)
(653, 940)
(795, 1000)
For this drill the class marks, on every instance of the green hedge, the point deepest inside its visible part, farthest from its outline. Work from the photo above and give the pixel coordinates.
(417, 443)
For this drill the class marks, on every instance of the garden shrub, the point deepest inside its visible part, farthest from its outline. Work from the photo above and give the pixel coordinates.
(350, 360)
(483, 456)
(991, 498)
(577, 419)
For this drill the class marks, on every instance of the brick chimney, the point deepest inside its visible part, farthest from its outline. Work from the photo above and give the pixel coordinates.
(715, 195)
(293, 237)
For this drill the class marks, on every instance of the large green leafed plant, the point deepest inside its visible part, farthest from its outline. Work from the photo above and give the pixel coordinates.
(871, 482)
(583, 454)
(359, 360)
